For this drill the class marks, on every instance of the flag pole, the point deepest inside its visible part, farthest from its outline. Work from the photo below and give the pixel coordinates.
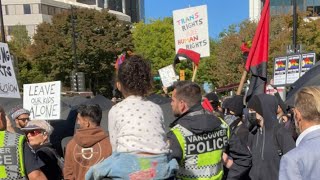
(243, 79)
(194, 73)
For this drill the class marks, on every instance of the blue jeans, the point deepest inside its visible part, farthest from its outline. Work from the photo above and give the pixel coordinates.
(133, 167)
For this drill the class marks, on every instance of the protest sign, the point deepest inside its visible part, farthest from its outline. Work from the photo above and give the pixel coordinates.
(280, 68)
(43, 100)
(8, 85)
(168, 76)
(293, 70)
(307, 62)
(191, 29)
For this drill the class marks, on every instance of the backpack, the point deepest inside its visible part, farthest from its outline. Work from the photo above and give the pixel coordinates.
(60, 160)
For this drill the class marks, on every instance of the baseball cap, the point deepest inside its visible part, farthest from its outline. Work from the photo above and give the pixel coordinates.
(38, 124)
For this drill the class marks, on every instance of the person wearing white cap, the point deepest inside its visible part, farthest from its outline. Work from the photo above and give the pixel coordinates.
(38, 135)
(17, 160)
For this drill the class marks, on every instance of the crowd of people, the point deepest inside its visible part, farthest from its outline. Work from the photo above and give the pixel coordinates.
(233, 139)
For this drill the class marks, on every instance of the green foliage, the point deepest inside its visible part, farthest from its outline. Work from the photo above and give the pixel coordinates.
(309, 35)
(20, 38)
(225, 65)
(155, 41)
(100, 36)
(19, 41)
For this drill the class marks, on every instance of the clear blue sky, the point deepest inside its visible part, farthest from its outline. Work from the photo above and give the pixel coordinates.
(221, 13)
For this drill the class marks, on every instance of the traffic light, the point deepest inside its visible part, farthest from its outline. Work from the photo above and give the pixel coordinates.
(78, 82)
(156, 78)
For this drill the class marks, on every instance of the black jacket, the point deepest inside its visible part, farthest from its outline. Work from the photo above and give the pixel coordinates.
(265, 142)
(205, 121)
(49, 156)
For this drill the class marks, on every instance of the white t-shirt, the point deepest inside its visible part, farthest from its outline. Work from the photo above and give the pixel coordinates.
(136, 125)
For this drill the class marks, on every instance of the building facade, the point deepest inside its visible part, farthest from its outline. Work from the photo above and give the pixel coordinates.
(133, 8)
(277, 7)
(30, 13)
(255, 7)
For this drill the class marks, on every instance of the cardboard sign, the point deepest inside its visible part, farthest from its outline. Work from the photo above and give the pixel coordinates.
(168, 76)
(293, 70)
(8, 84)
(191, 29)
(307, 62)
(43, 100)
(280, 70)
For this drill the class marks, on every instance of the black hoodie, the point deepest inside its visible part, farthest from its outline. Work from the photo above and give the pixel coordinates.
(49, 156)
(266, 141)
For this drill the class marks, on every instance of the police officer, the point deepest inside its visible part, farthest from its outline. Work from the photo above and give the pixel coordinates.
(14, 152)
(197, 137)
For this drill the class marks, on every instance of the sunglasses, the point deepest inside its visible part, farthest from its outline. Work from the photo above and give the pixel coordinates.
(34, 132)
(24, 119)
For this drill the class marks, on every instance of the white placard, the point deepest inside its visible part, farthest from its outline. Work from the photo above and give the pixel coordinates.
(293, 68)
(168, 76)
(191, 29)
(280, 68)
(307, 62)
(43, 100)
(8, 83)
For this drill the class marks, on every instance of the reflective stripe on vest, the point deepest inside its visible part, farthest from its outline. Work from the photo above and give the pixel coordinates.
(200, 112)
(202, 154)
(226, 125)
(11, 156)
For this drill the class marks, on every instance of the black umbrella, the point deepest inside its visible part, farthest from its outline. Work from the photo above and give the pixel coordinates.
(310, 78)
(74, 100)
(10, 104)
(165, 104)
(105, 104)
(158, 99)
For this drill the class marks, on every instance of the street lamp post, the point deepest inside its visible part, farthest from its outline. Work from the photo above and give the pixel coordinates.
(74, 47)
(294, 36)
(3, 36)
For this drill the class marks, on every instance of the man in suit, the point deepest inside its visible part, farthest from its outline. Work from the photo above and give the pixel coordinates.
(303, 161)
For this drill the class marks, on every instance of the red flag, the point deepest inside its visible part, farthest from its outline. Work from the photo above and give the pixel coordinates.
(244, 47)
(189, 54)
(207, 105)
(258, 55)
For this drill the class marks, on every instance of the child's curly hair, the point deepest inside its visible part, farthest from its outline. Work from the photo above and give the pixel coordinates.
(135, 77)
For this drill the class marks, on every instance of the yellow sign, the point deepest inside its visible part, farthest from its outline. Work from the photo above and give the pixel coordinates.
(182, 75)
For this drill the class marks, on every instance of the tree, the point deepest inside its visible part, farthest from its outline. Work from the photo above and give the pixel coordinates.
(225, 64)
(18, 43)
(100, 36)
(155, 41)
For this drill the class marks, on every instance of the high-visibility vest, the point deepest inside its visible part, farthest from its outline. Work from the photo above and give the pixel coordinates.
(202, 153)
(11, 156)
